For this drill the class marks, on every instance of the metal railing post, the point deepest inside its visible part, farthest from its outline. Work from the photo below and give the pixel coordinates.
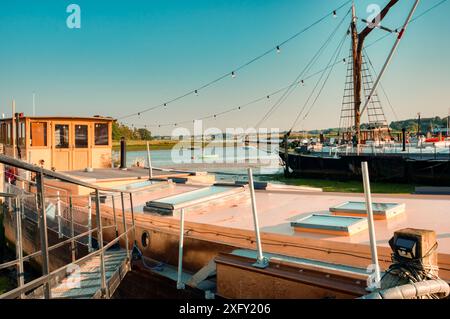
(43, 231)
(149, 161)
(19, 246)
(261, 261)
(100, 245)
(373, 242)
(132, 219)
(72, 231)
(125, 226)
(58, 214)
(22, 208)
(114, 214)
(180, 284)
(90, 223)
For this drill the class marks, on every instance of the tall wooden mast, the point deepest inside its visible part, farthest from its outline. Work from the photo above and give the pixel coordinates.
(357, 61)
(357, 49)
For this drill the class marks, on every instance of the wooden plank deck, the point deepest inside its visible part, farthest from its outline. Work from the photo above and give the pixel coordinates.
(86, 283)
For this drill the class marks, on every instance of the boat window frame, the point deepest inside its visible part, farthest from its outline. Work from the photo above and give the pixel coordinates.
(21, 133)
(56, 146)
(86, 140)
(46, 144)
(108, 134)
(2, 132)
(8, 137)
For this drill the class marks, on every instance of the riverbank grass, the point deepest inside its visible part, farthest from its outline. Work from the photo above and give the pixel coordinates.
(346, 186)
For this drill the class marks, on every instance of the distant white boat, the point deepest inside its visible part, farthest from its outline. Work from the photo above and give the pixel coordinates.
(206, 156)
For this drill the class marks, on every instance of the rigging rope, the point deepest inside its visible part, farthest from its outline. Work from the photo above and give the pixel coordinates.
(381, 85)
(304, 71)
(334, 57)
(412, 21)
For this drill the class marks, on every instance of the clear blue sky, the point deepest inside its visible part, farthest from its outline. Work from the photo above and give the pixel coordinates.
(132, 54)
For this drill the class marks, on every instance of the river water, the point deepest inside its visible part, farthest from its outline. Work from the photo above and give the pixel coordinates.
(228, 163)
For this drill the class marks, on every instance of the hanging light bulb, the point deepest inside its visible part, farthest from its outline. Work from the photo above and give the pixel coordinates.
(278, 49)
(233, 75)
(334, 14)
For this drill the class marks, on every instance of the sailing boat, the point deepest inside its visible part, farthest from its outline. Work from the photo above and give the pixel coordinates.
(424, 162)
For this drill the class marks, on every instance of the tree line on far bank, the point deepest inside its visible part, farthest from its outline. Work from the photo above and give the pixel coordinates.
(120, 130)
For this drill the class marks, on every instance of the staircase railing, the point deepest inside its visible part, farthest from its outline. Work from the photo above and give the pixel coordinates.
(47, 277)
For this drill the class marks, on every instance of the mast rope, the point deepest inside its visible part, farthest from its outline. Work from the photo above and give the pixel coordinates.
(381, 85)
(334, 57)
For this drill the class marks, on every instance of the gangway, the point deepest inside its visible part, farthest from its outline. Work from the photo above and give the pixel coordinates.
(99, 272)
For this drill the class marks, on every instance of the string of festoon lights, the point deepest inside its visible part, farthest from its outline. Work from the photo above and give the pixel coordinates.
(233, 73)
(240, 107)
(274, 93)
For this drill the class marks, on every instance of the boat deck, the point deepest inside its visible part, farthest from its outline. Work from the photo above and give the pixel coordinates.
(278, 208)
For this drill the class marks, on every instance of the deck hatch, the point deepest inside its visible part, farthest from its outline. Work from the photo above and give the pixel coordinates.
(330, 224)
(380, 210)
(203, 196)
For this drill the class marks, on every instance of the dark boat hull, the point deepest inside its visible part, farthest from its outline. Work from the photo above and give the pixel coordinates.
(382, 168)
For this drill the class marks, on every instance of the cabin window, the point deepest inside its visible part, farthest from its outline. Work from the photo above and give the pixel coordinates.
(38, 134)
(101, 134)
(8, 134)
(21, 134)
(81, 136)
(2, 133)
(61, 136)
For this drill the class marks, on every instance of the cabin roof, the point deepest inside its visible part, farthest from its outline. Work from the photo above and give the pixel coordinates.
(90, 118)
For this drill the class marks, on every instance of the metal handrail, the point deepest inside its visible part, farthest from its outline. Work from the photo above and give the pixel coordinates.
(63, 177)
(60, 244)
(8, 195)
(45, 278)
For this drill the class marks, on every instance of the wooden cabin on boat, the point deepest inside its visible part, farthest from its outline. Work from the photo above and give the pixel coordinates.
(58, 142)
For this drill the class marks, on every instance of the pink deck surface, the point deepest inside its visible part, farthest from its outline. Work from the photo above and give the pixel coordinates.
(277, 209)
